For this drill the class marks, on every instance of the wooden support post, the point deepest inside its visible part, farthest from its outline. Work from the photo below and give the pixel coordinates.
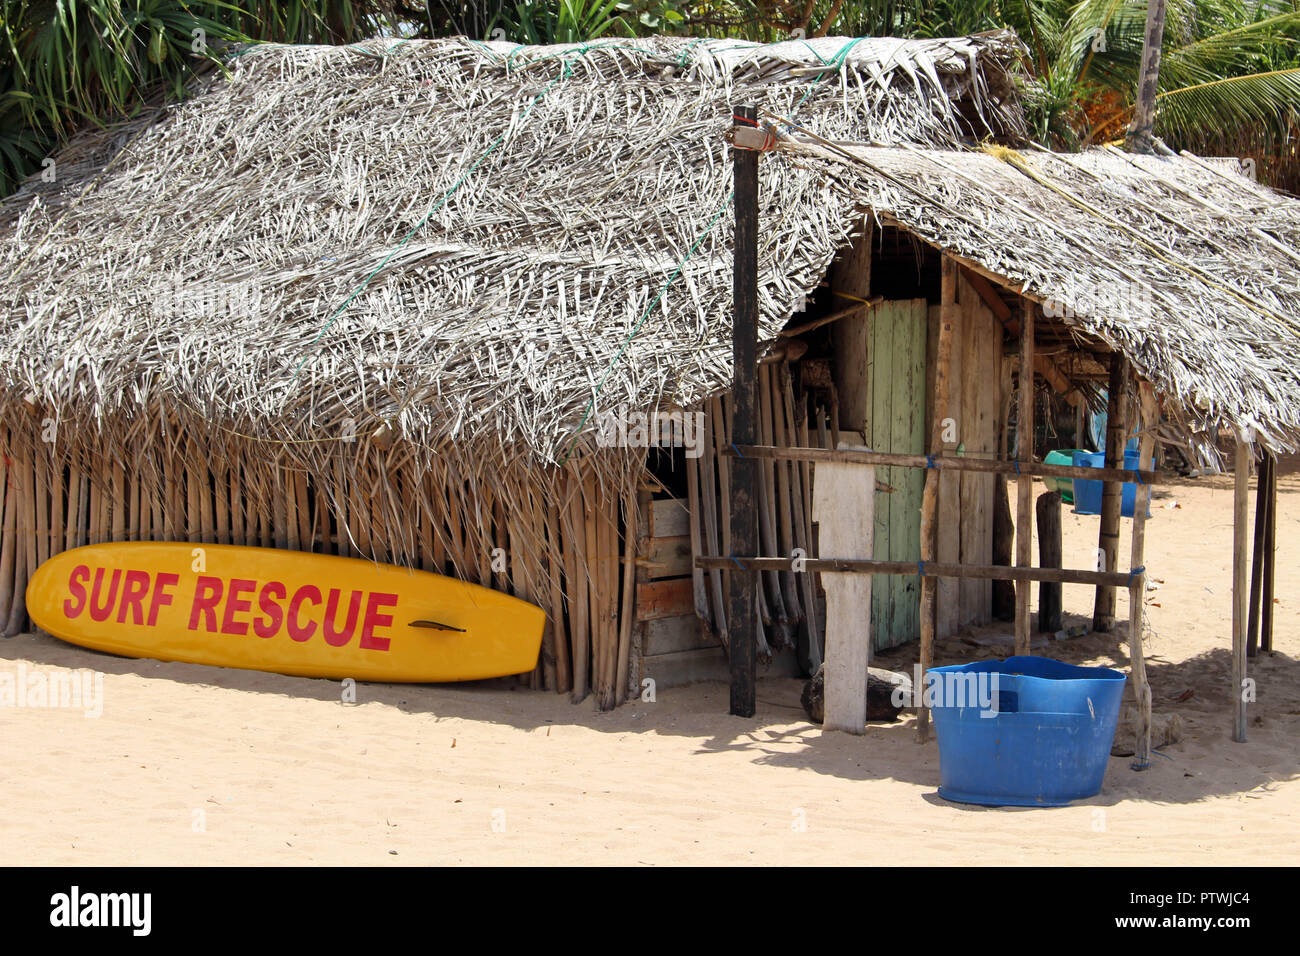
(1103, 611)
(1240, 544)
(844, 509)
(1004, 532)
(930, 496)
(1270, 557)
(1025, 483)
(1257, 560)
(1146, 412)
(744, 471)
(1048, 510)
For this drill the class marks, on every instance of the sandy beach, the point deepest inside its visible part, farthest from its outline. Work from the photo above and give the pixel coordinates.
(196, 765)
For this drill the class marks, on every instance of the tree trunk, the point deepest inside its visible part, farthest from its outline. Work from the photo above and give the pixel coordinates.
(1140, 138)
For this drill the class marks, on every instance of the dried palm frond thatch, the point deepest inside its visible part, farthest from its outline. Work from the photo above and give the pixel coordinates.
(1191, 270)
(254, 257)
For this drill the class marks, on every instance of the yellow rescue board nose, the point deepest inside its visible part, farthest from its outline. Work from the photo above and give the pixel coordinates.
(311, 615)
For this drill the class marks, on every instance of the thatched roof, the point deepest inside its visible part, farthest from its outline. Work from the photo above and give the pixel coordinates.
(474, 242)
(459, 238)
(1190, 269)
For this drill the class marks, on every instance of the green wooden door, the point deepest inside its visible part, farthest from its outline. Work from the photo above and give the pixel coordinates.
(895, 422)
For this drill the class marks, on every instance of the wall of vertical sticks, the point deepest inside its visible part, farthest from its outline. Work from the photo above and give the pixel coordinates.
(557, 537)
(788, 602)
(561, 531)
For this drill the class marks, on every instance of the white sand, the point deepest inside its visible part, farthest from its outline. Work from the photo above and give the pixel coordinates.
(211, 766)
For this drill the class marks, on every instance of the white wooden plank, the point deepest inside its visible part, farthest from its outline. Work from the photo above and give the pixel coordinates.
(844, 508)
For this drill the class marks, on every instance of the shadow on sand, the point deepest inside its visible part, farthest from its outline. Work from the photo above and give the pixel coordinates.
(1205, 763)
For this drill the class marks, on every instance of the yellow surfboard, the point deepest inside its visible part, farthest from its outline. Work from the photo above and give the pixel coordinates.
(312, 615)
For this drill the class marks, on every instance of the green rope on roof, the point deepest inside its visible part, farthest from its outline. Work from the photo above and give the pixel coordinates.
(835, 62)
(564, 74)
(577, 432)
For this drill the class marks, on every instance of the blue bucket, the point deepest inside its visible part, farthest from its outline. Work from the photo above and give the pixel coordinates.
(1087, 492)
(1047, 743)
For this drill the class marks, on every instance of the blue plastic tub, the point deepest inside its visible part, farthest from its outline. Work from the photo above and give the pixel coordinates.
(1087, 494)
(1047, 743)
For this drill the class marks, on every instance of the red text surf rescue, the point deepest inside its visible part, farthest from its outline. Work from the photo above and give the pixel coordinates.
(235, 606)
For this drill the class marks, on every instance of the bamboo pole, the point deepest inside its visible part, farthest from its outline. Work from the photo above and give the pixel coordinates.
(302, 505)
(1240, 545)
(1270, 557)
(71, 534)
(981, 465)
(193, 530)
(813, 581)
(40, 469)
(289, 495)
(766, 508)
(909, 568)
(578, 590)
(238, 533)
(930, 495)
(1103, 614)
(605, 603)
(1257, 558)
(555, 567)
(1146, 410)
(83, 509)
(25, 552)
(797, 432)
(629, 591)
(546, 587)
(1025, 483)
(722, 439)
(709, 501)
(57, 503)
(8, 540)
(695, 514)
(590, 572)
(778, 378)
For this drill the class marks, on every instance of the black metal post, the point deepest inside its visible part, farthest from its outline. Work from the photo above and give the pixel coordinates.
(744, 471)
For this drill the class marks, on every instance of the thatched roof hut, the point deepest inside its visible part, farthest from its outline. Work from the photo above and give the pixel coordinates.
(368, 298)
(453, 238)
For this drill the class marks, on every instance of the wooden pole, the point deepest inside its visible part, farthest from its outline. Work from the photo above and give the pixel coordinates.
(952, 463)
(1146, 411)
(930, 496)
(1240, 544)
(1103, 611)
(1257, 559)
(1048, 510)
(1004, 531)
(628, 610)
(744, 471)
(1270, 557)
(1025, 483)
(994, 572)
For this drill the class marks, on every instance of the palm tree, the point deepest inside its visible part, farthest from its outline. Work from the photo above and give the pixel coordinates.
(1229, 72)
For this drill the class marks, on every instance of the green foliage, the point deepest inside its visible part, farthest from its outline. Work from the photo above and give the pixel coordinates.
(1230, 72)
(64, 63)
